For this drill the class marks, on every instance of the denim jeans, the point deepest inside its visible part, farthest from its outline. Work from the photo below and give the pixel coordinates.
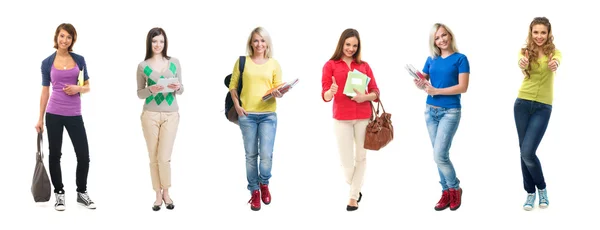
(442, 124)
(531, 119)
(258, 132)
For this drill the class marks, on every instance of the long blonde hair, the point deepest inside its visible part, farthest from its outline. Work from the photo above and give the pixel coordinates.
(532, 48)
(265, 35)
(433, 49)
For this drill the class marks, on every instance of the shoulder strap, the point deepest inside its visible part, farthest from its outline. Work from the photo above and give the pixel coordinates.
(39, 145)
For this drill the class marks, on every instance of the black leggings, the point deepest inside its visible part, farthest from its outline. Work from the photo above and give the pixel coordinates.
(76, 130)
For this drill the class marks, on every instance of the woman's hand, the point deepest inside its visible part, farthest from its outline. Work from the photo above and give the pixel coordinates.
(420, 83)
(39, 127)
(240, 111)
(156, 88)
(72, 89)
(174, 86)
(431, 90)
(360, 97)
(276, 93)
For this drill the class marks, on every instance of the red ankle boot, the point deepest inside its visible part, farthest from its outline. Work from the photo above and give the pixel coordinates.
(255, 200)
(455, 198)
(444, 201)
(265, 194)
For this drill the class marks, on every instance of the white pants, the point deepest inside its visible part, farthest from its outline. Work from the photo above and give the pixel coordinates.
(351, 138)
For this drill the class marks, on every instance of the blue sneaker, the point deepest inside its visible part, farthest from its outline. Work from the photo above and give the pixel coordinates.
(528, 206)
(543, 198)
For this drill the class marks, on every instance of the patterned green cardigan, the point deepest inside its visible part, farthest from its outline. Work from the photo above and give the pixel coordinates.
(158, 102)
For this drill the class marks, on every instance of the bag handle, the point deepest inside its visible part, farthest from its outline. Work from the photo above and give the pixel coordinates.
(375, 112)
(40, 140)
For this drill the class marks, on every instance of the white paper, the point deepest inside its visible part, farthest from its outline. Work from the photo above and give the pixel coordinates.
(165, 82)
(356, 81)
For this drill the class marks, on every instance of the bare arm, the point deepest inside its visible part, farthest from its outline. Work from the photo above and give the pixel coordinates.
(43, 102)
(461, 87)
(235, 97)
(85, 88)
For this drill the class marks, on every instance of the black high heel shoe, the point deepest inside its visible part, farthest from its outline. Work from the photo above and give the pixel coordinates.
(359, 196)
(156, 207)
(170, 206)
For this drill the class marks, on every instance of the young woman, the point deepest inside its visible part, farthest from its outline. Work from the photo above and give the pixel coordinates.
(160, 114)
(447, 74)
(350, 115)
(257, 118)
(538, 60)
(62, 109)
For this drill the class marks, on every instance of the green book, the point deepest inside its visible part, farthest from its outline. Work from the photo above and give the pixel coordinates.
(356, 80)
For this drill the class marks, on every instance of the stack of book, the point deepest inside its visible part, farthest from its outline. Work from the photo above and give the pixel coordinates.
(415, 73)
(283, 89)
(356, 80)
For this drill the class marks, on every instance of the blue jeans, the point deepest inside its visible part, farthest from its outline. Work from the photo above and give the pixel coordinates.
(258, 132)
(442, 124)
(531, 119)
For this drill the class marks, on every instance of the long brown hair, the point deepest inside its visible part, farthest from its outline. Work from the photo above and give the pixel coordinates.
(339, 51)
(532, 48)
(151, 34)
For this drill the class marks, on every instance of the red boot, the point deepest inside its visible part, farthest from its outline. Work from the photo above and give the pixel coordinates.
(444, 201)
(255, 200)
(455, 198)
(265, 194)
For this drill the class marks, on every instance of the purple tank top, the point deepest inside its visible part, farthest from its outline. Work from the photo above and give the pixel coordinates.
(60, 103)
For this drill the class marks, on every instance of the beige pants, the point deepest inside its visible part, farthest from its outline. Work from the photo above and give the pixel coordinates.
(351, 138)
(159, 130)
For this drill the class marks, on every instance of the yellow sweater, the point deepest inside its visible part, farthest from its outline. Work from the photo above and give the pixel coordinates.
(257, 80)
(540, 85)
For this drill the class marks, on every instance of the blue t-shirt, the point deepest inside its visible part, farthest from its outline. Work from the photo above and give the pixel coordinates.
(443, 73)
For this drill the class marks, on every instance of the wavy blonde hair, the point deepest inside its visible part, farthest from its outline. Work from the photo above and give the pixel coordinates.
(433, 49)
(532, 48)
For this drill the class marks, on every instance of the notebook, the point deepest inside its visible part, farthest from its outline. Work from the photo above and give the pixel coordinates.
(283, 89)
(356, 80)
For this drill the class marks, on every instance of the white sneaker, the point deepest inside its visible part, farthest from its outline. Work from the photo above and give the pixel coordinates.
(60, 202)
(84, 199)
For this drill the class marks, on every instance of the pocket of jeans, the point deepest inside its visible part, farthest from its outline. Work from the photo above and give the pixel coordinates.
(518, 101)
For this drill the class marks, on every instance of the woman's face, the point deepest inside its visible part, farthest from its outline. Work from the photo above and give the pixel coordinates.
(158, 44)
(259, 45)
(350, 47)
(64, 40)
(539, 34)
(442, 38)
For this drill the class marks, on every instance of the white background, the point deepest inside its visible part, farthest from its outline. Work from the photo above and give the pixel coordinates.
(209, 182)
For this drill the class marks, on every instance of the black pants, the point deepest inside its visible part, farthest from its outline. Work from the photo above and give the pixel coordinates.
(55, 125)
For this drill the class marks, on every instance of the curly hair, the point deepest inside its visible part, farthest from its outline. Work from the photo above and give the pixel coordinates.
(532, 48)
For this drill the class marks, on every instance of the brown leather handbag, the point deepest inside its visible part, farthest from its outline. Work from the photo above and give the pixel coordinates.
(380, 131)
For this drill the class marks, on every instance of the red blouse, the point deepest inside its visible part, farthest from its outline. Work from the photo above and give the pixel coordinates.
(344, 108)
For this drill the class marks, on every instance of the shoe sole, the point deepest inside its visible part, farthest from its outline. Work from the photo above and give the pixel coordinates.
(527, 208)
(543, 205)
(441, 209)
(59, 209)
(85, 206)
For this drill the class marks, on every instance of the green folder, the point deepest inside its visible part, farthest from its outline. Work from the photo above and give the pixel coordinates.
(356, 80)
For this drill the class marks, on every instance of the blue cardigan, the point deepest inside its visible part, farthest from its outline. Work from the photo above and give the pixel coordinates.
(49, 61)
